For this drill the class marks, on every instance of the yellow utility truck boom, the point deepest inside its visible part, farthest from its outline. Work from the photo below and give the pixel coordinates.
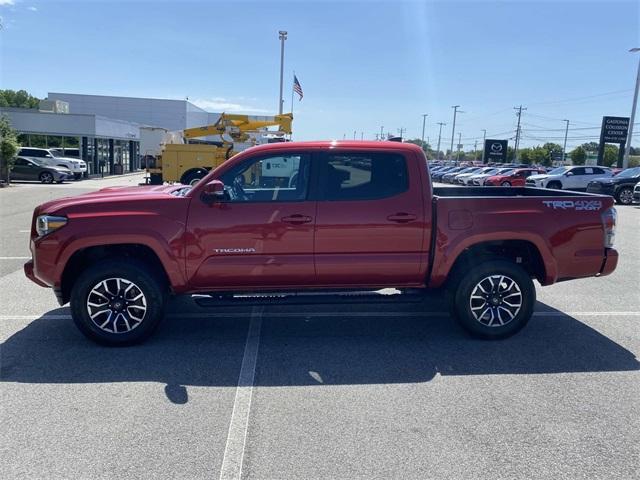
(188, 162)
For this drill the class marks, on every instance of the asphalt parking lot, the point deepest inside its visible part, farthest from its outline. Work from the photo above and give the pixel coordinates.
(338, 390)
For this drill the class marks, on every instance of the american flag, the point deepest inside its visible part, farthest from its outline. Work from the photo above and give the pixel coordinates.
(297, 88)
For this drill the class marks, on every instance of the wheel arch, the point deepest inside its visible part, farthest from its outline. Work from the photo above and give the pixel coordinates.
(84, 257)
(528, 253)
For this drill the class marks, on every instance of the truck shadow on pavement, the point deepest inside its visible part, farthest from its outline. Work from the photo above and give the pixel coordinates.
(308, 345)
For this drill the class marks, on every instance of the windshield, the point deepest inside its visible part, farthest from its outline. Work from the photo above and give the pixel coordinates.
(558, 171)
(629, 172)
(56, 152)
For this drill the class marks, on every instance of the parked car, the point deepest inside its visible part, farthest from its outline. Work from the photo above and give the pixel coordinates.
(118, 254)
(619, 187)
(478, 180)
(569, 178)
(636, 192)
(37, 170)
(437, 177)
(512, 178)
(49, 156)
(460, 178)
(468, 180)
(448, 177)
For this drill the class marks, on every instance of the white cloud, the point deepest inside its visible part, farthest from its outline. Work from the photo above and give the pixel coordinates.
(33, 9)
(7, 2)
(218, 104)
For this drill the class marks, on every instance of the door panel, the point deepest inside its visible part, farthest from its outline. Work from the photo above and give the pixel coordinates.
(261, 236)
(370, 241)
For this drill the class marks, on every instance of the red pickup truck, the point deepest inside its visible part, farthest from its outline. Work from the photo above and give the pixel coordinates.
(315, 216)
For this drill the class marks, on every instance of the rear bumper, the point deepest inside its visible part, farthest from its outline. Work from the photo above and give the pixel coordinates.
(28, 271)
(610, 262)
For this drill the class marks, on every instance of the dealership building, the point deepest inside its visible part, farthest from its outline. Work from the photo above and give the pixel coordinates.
(105, 128)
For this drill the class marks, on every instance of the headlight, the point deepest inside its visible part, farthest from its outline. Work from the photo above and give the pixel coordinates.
(45, 224)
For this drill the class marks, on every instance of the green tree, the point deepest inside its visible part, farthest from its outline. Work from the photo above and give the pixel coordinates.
(540, 156)
(9, 147)
(610, 155)
(524, 155)
(578, 156)
(19, 99)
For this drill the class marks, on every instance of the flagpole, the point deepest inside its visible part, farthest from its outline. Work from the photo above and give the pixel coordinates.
(292, 92)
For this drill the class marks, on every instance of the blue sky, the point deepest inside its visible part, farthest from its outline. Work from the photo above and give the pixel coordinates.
(362, 65)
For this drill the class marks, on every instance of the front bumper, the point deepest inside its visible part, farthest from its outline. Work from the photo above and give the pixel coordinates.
(28, 271)
(610, 261)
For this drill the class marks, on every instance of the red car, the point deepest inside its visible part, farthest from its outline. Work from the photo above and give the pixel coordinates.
(315, 216)
(515, 178)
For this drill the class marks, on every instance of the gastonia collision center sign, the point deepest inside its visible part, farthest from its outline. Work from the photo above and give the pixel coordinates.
(614, 130)
(495, 151)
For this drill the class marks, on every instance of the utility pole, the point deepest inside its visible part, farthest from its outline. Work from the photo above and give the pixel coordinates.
(453, 130)
(354, 134)
(401, 131)
(424, 121)
(459, 144)
(282, 36)
(439, 137)
(564, 147)
(381, 133)
(484, 142)
(361, 135)
(627, 148)
(519, 114)
(475, 150)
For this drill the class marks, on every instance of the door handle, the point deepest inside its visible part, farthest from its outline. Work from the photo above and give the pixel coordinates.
(402, 217)
(297, 219)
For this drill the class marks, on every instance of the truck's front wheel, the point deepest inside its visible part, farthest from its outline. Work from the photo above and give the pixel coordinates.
(117, 303)
(494, 300)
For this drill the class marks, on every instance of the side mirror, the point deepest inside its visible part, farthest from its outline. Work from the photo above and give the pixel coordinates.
(213, 191)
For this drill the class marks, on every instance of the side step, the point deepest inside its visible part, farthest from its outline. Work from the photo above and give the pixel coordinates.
(387, 295)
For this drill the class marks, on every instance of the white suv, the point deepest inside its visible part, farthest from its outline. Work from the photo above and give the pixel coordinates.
(568, 178)
(51, 157)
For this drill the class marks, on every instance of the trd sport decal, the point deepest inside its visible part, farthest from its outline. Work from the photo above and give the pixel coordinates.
(588, 205)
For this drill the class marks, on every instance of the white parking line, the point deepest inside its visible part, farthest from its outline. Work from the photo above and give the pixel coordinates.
(329, 314)
(15, 258)
(237, 437)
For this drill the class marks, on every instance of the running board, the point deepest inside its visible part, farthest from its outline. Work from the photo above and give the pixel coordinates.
(388, 295)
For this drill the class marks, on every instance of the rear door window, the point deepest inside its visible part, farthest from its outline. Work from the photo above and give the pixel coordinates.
(363, 176)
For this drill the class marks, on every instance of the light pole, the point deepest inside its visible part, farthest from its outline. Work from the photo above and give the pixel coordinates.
(439, 137)
(282, 36)
(459, 144)
(381, 132)
(424, 121)
(627, 149)
(453, 129)
(564, 147)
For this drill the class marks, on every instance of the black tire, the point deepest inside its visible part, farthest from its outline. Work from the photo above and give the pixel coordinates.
(506, 184)
(502, 320)
(77, 176)
(46, 177)
(145, 282)
(554, 185)
(59, 181)
(193, 177)
(155, 179)
(624, 196)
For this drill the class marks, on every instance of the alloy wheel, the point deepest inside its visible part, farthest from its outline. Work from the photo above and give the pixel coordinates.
(625, 196)
(495, 300)
(116, 305)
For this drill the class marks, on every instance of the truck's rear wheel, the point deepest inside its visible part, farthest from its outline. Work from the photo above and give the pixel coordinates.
(494, 300)
(117, 302)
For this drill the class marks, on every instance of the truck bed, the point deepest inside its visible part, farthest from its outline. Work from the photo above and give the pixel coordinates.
(488, 192)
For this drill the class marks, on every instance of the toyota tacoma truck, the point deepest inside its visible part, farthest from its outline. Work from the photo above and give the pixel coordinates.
(315, 216)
